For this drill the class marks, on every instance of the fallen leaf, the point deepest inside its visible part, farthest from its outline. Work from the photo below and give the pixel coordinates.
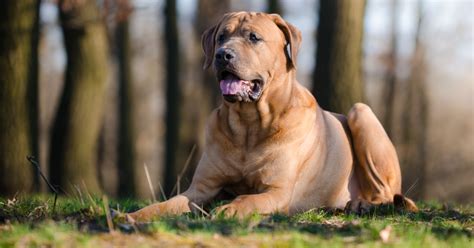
(385, 234)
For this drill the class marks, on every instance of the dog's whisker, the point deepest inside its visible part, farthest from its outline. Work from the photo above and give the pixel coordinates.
(411, 187)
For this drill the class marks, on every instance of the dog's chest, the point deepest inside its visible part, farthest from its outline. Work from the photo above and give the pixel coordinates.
(250, 171)
(251, 183)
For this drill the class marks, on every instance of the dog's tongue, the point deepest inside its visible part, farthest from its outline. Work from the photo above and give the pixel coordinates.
(233, 85)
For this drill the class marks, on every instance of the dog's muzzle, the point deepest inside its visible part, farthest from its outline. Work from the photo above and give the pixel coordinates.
(234, 89)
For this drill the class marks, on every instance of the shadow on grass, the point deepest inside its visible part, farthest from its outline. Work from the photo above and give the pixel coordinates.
(256, 224)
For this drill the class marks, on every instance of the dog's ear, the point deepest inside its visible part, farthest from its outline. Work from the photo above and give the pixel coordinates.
(208, 40)
(292, 36)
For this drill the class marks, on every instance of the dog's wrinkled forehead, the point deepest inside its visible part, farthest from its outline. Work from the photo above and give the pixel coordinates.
(241, 22)
(275, 33)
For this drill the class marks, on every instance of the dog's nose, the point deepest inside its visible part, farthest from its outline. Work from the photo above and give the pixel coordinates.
(224, 55)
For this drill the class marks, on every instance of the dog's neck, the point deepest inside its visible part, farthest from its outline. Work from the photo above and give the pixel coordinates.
(260, 118)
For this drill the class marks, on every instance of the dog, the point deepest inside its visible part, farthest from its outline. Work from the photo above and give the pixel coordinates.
(270, 144)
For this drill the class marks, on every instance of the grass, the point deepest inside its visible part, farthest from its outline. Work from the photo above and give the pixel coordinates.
(30, 221)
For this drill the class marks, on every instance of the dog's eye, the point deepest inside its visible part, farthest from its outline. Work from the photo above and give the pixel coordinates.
(254, 38)
(221, 38)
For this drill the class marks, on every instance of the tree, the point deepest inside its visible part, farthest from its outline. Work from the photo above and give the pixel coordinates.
(337, 76)
(389, 90)
(274, 6)
(173, 94)
(19, 29)
(415, 120)
(126, 134)
(73, 153)
(209, 13)
(205, 91)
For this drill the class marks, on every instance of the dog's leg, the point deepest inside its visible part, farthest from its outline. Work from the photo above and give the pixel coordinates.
(176, 205)
(377, 168)
(205, 185)
(273, 201)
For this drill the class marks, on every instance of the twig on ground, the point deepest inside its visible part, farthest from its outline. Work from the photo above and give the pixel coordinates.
(180, 175)
(80, 194)
(200, 209)
(132, 222)
(110, 224)
(51, 187)
(162, 191)
(152, 190)
(178, 183)
(90, 196)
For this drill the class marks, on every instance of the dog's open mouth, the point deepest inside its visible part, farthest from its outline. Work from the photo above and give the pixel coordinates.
(234, 88)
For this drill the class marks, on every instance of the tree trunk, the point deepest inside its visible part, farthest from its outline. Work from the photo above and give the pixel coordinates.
(206, 92)
(173, 95)
(209, 13)
(415, 122)
(388, 94)
(126, 134)
(337, 77)
(274, 6)
(73, 153)
(19, 29)
(33, 91)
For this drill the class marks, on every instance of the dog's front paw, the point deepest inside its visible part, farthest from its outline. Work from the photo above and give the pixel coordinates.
(359, 206)
(236, 210)
(144, 215)
(227, 210)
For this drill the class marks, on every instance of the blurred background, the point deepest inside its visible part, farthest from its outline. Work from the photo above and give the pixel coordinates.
(110, 95)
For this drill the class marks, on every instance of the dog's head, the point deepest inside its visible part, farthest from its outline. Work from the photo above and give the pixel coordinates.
(247, 50)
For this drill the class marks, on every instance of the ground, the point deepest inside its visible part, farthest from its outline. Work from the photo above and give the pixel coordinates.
(82, 222)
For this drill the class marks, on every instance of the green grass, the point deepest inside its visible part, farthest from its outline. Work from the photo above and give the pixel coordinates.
(30, 221)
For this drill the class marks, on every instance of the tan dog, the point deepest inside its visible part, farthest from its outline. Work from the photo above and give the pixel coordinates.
(270, 144)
